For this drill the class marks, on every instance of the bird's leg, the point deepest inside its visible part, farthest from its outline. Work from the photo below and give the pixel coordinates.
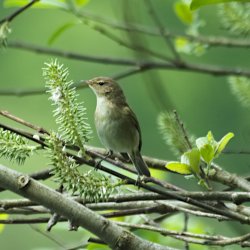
(138, 182)
(125, 157)
(107, 155)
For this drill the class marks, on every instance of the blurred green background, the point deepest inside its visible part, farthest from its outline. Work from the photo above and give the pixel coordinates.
(204, 102)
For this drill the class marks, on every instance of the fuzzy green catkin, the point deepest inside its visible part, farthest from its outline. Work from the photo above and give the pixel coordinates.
(13, 147)
(235, 17)
(240, 87)
(173, 133)
(70, 115)
(91, 185)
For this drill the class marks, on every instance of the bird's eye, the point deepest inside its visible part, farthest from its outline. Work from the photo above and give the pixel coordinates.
(101, 83)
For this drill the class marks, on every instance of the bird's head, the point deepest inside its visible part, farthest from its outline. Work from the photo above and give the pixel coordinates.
(104, 86)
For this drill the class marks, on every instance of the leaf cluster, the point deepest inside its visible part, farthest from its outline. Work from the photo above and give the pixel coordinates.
(191, 19)
(207, 149)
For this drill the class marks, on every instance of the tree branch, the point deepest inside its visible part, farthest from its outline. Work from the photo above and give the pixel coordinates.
(18, 12)
(147, 65)
(211, 40)
(106, 230)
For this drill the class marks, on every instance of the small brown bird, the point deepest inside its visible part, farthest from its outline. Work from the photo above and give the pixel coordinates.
(116, 124)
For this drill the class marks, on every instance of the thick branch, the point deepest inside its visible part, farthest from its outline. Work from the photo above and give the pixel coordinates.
(106, 230)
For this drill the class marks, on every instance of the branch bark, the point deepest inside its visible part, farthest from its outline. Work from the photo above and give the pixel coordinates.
(108, 231)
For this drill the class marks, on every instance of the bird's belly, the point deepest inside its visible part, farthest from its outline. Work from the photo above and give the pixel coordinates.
(119, 135)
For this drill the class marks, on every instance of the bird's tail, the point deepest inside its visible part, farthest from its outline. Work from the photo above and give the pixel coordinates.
(139, 163)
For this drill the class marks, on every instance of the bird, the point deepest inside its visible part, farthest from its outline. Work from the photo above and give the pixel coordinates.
(116, 124)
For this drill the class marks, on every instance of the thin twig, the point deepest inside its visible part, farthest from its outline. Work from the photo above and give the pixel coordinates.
(18, 12)
(162, 31)
(182, 128)
(49, 236)
(23, 122)
(126, 44)
(213, 41)
(217, 240)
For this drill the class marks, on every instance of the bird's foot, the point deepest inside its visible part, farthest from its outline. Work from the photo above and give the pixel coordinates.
(138, 182)
(107, 155)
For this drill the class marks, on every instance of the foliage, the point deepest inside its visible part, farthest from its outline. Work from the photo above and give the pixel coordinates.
(14, 147)
(193, 23)
(195, 160)
(207, 149)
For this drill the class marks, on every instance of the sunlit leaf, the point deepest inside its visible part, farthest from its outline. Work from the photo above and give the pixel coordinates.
(182, 44)
(192, 158)
(200, 142)
(3, 217)
(195, 4)
(207, 153)
(223, 142)
(178, 167)
(210, 137)
(81, 2)
(40, 4)
(95, 246)
(183, 12)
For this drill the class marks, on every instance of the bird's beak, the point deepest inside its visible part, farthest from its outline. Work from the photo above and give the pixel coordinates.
(88, 82)
(85, 82)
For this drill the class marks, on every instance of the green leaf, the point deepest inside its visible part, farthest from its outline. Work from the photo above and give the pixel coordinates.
(223, 142)
(183, 12)
(207, 153)
(40, 4)
(195, 4)
(192, 158)
(178, 167)
(59, 32)
(3, 217)
(200, 142)
(210, 137)
(81, 2)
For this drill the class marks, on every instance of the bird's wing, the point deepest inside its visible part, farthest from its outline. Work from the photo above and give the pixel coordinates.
(135, 122)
